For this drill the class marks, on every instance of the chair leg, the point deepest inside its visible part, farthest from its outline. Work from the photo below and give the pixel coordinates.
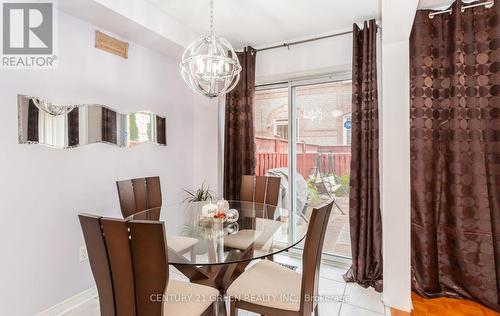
(233, 311)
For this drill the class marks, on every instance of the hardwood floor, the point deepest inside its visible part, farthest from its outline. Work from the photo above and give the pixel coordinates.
(446, 307)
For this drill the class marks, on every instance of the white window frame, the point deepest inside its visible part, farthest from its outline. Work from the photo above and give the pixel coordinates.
(279, 122)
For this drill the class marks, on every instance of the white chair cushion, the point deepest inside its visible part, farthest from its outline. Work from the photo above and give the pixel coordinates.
(242, 239)
(188, 299)
(261, 238)
(180, 244)
(268, 284)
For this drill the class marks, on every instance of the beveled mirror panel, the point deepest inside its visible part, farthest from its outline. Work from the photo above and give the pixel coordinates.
(43, 123)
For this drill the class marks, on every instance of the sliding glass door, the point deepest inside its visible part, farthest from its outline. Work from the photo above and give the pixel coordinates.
(323, 156)
(306, 125)
(272, 135)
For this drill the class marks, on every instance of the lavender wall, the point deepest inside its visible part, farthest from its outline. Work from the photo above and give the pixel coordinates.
(43, 189)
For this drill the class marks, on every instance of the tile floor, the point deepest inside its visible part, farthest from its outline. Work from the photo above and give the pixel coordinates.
(357, 300)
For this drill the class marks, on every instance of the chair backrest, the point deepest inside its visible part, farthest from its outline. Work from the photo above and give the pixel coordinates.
(137, 195)
(116, 237)
(99, 264)
(260, 189)
(129, 262)
(311, 259)
(150, 260)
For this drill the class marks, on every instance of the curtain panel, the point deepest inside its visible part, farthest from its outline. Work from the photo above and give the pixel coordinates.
(74, 127)
(455, 154)
(109, 128)
(364, 203)
(33, 119)
(239, 145)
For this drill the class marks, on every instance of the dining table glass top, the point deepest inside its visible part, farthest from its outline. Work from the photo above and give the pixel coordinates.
(246, 232)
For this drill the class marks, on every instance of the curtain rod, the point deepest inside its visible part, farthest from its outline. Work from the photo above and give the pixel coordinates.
(487, 4)
(287, 45)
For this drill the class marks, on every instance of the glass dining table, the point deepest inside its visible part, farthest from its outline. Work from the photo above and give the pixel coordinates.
(221, 248)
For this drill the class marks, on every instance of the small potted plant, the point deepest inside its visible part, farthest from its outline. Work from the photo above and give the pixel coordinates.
(195, 199)
(199, 195)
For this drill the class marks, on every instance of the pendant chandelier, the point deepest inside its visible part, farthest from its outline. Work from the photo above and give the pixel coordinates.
(209, 65)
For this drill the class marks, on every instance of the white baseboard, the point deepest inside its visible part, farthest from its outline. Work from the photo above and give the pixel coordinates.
(71, 303)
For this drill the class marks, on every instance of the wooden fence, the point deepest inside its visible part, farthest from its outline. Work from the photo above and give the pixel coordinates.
(336, 159)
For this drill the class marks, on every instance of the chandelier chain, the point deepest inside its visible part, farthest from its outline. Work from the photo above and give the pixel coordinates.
(211, 17)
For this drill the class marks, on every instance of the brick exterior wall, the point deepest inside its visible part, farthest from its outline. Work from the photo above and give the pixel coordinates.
(321, 110)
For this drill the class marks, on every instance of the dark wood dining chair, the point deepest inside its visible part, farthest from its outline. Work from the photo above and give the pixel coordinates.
(130, 265)
(99, 264)
(140, 194)
(149, 254)
(271, 296)
(261, 189)
(258, 189)
(116, 237)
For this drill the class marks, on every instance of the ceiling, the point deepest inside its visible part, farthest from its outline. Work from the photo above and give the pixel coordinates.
(263, 22)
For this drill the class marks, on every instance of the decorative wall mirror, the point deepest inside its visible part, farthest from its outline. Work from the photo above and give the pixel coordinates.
(41, 122)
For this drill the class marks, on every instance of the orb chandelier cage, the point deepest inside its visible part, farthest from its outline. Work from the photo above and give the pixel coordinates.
(210, 65)
(52, 109)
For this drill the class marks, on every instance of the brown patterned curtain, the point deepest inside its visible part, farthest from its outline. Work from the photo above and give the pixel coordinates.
(455, 154)
(239, 146)
(161, 130)
(33, 116)
(74, 127)
(364, 203)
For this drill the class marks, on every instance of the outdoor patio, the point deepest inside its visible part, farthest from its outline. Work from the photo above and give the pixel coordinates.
(326, 171)
(337, 239)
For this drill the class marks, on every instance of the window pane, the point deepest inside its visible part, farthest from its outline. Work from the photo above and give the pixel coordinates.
(324, 156)
(271, 130)
(271, 143)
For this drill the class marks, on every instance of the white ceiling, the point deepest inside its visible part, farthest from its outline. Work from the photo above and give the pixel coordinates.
(263, 22)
